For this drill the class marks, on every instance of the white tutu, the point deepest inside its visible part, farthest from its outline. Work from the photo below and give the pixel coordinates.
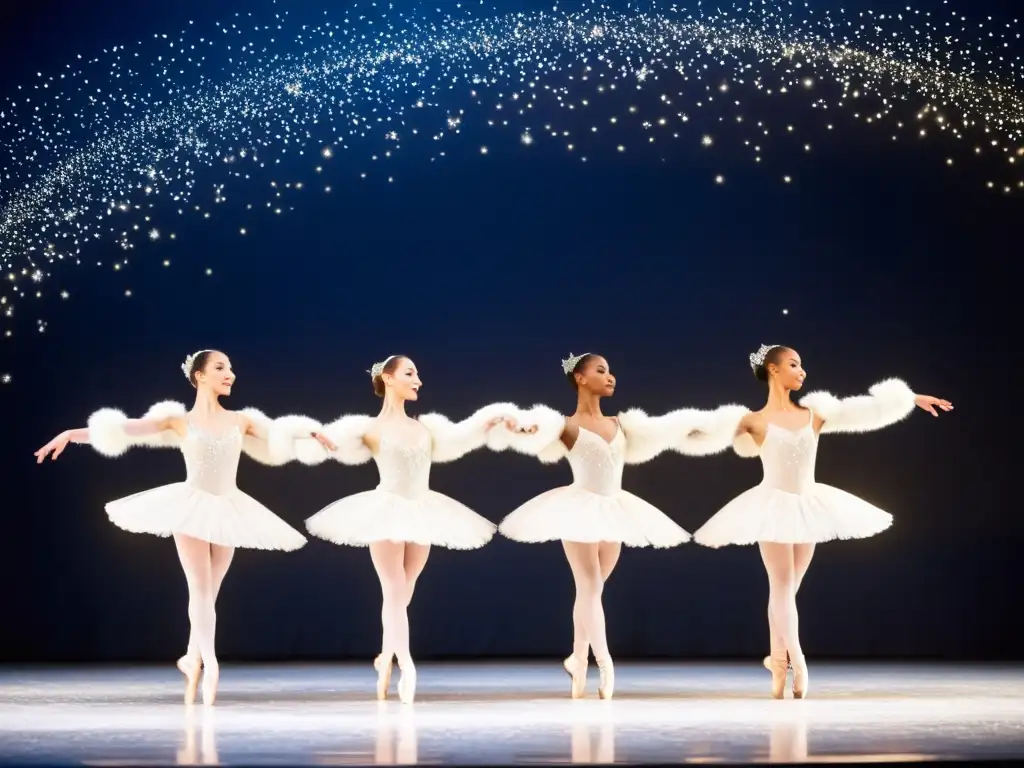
(789, 507)
(573, 513)
(821, 513)
(231, 519)
(379, 515)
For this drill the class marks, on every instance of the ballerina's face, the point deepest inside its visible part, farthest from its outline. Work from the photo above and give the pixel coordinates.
(216, 374)
(405, 381)
(788, 371)
(596, 377)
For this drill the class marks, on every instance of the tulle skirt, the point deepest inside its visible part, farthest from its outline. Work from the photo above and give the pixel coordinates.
(233, 519)
(575, 514)
(763, 513)
(379, 515)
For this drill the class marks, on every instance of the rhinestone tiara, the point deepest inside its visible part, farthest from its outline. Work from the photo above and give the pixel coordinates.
(378, 368)
(190, 360)
(569, 365)
(757, 359)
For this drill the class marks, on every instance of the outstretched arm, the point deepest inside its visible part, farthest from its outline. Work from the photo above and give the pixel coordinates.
(537, 431)
(886, 403)
(111, 433)
(688, 430)
(452, 440)
(344, 440)
(278, 441)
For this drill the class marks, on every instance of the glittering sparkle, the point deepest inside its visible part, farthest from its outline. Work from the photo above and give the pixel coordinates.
(122, 146)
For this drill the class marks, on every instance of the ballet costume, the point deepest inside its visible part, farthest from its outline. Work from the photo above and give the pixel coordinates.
(595, 508)
(789, 506)
(208, 505)
(403, 508)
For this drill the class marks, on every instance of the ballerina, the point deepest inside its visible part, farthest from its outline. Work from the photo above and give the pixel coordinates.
(402, 518)
(594, 517)
(208, 516)
(788, 513)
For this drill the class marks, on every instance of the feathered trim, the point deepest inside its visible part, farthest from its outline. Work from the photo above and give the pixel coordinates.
(279, 441)
(109, 436)
(886, 403)
(346, 433)
(546, 443)
(689, 431)
(452, 441)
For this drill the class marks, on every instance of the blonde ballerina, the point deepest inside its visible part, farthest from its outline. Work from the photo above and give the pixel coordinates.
(789, 512)
(208, 516)
(402, 518)
(594, 516)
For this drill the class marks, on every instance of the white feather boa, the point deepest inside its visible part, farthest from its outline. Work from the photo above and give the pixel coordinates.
(689, 431)
(887, 402)
(277, 441)
(347, 433)
(545, 444)
(451, 441)
(108, 436)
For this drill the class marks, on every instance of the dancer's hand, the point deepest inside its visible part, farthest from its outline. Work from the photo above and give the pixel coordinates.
(325, 441)
(929, 403)
(513, 426)
(55, 446)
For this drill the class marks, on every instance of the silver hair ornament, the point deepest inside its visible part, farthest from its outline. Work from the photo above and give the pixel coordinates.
(190, 360)
(568, 366)
(757, 359)
(377, 369)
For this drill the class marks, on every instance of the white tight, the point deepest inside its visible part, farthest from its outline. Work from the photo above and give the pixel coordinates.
(591, 566)
(205, 566)
(786, 565)
(398, 565)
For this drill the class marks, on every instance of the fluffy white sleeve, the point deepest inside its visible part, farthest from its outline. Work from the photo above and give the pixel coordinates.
(112, 433)
(688, 430)
(546, 443)
(279, 441)
(346, 433)
(452, 441)
(886, 403)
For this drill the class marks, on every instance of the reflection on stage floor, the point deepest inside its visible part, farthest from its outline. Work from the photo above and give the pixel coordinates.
(504, 713)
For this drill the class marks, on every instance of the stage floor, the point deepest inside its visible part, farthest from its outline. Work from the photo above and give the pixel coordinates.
(512, 713)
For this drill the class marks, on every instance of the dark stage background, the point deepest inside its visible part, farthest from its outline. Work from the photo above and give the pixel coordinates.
(487, 273)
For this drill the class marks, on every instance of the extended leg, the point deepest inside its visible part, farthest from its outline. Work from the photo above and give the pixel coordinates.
(195, 556)
(779, 563)
(220, 561)
(389, 562)
(584, 560)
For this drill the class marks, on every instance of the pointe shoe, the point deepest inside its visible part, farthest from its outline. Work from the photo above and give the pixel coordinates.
(801, 680)
(383, 676)
(211, 676)
(780, 671)
(190, 667)
(606, 688)
(577, 670)
(407, 685)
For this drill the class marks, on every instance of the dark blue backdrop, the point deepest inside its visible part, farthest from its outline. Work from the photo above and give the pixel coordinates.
(487, 273)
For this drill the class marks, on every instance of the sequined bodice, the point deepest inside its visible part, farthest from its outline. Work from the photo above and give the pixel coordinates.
(596, 463)
(788, 458)
(211, 461)
(404, 464)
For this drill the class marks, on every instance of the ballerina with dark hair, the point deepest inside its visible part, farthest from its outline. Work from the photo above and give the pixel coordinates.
(789, 512)
(402, 518)
(594, 516)
(208, 516)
